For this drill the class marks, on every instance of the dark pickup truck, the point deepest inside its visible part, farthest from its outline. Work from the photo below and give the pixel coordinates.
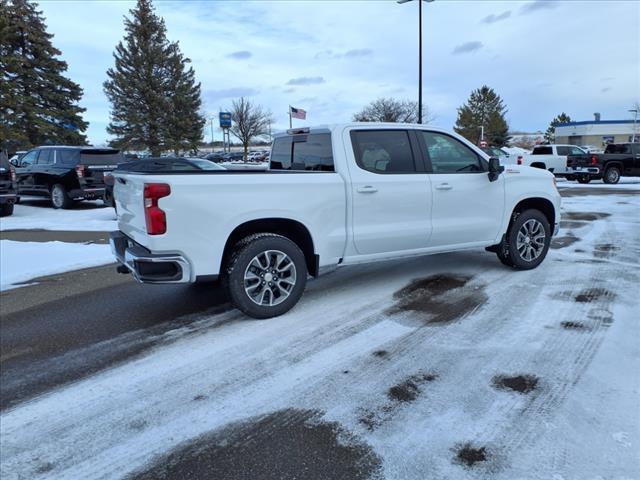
(619, 159)
(8, 191)
(66, 174)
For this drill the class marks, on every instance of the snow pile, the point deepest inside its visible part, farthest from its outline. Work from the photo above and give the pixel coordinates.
(22, 261)
(37, 214)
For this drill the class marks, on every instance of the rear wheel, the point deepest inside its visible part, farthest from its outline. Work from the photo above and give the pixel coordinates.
(60, 197)
(6, 209)
(265, 275)
(584, 179)
(612, 175)
(527, 242)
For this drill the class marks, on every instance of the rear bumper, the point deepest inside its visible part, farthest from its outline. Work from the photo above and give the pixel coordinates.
(147, 267)
(595, 170)
(8, 197)
(88, 193)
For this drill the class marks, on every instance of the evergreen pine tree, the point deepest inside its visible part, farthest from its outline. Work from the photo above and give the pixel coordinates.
(550, 134)
(39, 104)
(155, 100)
(484, 108)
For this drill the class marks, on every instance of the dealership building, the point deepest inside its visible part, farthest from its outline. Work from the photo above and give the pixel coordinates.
(597, 133)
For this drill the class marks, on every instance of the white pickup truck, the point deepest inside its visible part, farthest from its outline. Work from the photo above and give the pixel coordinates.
(550, 157)
(333, 196)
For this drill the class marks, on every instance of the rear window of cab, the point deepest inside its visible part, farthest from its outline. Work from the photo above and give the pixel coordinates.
(310, 152)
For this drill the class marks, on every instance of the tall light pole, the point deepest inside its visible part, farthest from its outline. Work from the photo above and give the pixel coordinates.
(635, 119)
(419, 53)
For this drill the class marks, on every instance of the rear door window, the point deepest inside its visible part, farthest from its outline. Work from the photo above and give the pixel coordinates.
(67, 156)
(562, 150)
(383, 151)
(546, 150)
(310, 152)
(45, 157)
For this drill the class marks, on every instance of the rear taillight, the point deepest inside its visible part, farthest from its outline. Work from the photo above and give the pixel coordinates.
(12, 172)
(519, 159)
(154, 216)
(594, 160)
(80, 170)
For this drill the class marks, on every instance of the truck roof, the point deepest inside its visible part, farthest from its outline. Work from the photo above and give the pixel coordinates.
(327, 128)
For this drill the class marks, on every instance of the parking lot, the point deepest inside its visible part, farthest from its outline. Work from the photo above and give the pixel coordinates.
(449, 366)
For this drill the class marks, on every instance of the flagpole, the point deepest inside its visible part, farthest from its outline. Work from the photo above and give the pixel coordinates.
(290, 126)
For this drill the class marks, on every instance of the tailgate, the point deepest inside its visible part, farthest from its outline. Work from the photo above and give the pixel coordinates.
(96, 162)
(578, 160)
(128, 192)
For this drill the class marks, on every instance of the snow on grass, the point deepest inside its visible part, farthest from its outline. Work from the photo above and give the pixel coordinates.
(23, 261)
(38, 214)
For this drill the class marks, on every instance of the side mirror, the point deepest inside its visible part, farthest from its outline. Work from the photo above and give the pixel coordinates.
(15, 162)
(495, 169)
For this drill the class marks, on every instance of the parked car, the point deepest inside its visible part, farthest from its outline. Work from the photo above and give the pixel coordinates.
(215, 157)
(182, 164)
(8, 189)
(233, 157)
(550, 157)
(66, 174)
(618, 159)
(17, 156)
(497, 152)
(348, 194)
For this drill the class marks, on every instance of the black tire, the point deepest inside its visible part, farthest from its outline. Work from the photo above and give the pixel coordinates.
(508, 252)
(584, 179)
(239, 264)
(6, 209)
(59, 197)
(611, 175)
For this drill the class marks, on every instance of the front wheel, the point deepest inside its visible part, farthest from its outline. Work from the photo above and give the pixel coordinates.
(60, 197)
(612, 175)
(265, 275)
(527, 242)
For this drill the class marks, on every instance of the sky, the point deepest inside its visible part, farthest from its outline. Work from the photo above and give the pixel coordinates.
(332, 57)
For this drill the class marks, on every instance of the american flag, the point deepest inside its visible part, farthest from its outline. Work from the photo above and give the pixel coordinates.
(298, 113)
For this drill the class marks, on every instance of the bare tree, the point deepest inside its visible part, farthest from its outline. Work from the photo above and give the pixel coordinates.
(248, 121)
(392, 110)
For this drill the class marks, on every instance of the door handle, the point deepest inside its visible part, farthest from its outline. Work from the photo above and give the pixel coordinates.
(444, 186)
(367, 189)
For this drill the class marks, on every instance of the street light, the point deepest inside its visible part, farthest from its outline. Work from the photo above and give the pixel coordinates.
(419, 53)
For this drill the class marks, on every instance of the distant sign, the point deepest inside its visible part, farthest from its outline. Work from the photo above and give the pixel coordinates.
(225, 119)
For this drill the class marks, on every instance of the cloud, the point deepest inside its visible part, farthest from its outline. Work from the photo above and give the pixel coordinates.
(241, 55)
(496, 18)
(537, 5)
(605, 89)
(358, 52)
(235, 92)
(353, 53)
(467, 47)
(288, 90)
(305, 81)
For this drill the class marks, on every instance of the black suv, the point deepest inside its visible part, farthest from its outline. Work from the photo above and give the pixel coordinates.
(8, 191)
(66, 174)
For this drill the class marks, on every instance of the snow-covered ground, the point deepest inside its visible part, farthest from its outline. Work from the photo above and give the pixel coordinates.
(23, 261)
(38, 214)
(468, 371)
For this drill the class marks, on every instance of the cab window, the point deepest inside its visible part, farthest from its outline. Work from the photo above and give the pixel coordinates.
(449, 155)
(383, 151)
(29, 159)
